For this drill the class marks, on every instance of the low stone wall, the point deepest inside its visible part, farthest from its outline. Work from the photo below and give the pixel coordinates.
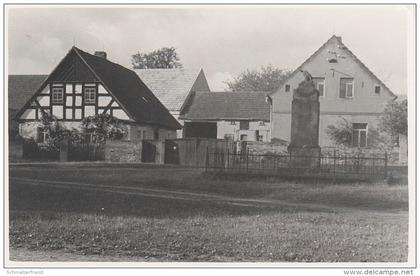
(123, 151)
(131, 151)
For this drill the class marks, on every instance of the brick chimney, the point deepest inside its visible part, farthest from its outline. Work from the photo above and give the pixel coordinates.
(100, 54)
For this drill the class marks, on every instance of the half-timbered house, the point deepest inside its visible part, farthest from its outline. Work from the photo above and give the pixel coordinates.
(84, 85)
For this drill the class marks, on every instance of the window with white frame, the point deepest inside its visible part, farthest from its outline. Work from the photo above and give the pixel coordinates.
(57, 95)
(359, 137)
(346, 87)
(42, 135)
(320, 85)
(90, 95)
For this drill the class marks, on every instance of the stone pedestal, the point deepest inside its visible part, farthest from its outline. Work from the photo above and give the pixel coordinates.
(304, 147)
(307, 157)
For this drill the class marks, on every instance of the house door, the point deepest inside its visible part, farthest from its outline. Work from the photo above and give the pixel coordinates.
(148, 152)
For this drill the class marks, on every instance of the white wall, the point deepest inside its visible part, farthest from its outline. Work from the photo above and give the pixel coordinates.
(225, 127)
(364, 105)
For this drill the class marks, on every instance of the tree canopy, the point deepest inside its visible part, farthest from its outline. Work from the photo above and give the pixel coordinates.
(103, 127)
(394, 118)
(268, 78)
(166, 57)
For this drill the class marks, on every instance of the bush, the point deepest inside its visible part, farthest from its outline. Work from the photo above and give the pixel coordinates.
(341, 134)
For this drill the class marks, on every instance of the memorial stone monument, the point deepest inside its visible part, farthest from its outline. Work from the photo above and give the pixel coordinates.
(304, 147)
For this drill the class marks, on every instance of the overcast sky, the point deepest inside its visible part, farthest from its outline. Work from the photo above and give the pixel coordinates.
(222, 40)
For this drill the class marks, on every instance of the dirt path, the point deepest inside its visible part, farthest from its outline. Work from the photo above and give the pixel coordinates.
(26, 255)
(181, 195)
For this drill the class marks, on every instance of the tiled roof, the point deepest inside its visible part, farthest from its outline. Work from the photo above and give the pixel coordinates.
(227, 106)
(124, 84)
(130, 91)
(21, 88)
(171, 86)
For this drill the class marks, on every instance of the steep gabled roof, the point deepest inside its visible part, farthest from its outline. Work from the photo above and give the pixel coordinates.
(139, 102)
(352, 56)
(171, 86)
(21, 88)
(227, 106)
(129, 91)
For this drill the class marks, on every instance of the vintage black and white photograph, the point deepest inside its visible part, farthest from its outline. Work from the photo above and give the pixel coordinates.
(209, 134)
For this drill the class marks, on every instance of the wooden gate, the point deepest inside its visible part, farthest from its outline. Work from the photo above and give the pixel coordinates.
(171, 152)
(192, 152)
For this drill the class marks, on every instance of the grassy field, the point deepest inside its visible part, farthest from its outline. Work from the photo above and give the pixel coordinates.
(177, 214)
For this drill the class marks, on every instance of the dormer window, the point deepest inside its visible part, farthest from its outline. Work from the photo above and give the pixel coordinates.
(287, 88)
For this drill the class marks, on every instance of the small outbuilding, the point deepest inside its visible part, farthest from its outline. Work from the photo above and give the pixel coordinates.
(237, 116)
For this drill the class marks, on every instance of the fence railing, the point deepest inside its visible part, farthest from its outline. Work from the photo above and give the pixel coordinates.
(331, 166)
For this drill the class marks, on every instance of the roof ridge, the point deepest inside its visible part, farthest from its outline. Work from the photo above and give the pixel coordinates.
(103, 59)
(365, 67)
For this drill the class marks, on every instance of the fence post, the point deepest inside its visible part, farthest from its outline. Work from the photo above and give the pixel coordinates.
(335, 158)
(227, 165)
(290, 158)
(222, 160)
(386, 164)
(247, 156)
(207, 158)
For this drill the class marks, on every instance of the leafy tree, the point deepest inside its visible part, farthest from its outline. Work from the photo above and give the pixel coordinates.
(267, 78)
(103, 127)
(394, 118)
(161, 58)
(341, 133)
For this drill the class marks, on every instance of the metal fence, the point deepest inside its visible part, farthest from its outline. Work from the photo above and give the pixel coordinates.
(324, 166)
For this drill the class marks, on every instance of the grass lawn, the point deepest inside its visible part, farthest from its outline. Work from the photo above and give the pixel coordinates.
(178, 214)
